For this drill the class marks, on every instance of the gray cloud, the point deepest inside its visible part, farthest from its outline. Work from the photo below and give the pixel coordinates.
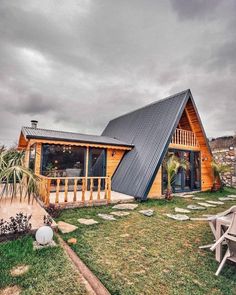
(195, 9)
(75, 65)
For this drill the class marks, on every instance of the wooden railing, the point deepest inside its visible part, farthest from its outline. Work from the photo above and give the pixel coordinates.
(184, 137)
(74, 189)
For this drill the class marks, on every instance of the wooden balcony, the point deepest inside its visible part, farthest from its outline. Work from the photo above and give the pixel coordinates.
(79, 190)
(184, 138)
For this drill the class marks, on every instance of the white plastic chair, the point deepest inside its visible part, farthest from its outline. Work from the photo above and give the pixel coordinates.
(230, 237)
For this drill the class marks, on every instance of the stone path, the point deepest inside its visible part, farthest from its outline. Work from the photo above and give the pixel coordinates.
(199, 206)
(66, 227)
(148, 212)
(196, 207)
(181, 210)
(215, 202)
(87, 221)
(120, 213)
(125, 206)
(206, 205)
(179, 217)
(107, 217)
(226, 199)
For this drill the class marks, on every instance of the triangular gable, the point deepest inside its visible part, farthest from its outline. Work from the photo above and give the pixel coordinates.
(22, 143)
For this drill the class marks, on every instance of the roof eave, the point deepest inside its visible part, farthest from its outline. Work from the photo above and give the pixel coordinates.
(79, 141)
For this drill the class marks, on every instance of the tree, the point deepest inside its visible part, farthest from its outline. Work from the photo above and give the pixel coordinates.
(171, 165)
(218, 170)
(15, 178)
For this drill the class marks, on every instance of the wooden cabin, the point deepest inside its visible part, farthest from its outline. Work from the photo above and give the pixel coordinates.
(127, 158)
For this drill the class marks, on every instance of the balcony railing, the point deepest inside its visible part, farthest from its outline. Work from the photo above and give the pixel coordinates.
(83, 190)
(184, 137)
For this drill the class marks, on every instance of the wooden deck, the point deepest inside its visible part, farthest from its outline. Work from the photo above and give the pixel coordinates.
(116, 197)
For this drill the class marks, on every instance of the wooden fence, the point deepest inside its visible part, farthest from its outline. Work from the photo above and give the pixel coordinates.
(74, 189)
(184, 137)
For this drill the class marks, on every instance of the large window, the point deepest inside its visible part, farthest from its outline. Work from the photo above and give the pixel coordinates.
(64, 161)
(32, 154)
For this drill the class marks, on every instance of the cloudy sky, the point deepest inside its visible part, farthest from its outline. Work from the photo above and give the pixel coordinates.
(76, 64)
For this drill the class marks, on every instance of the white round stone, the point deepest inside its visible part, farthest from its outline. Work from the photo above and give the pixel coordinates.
(44, 235)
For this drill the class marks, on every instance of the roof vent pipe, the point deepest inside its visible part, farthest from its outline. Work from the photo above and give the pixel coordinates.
(34, 124)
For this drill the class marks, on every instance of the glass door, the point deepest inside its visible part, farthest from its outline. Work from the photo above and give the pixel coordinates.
(189, 179)
(97, 165)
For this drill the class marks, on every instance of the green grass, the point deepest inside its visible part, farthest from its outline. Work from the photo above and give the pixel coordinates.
(157, 255)
(50, 270)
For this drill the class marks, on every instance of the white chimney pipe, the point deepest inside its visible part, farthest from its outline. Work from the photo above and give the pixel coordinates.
(34, 124)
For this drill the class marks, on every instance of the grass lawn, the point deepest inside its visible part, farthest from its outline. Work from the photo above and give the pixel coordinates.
(152, 255)
(50, 270)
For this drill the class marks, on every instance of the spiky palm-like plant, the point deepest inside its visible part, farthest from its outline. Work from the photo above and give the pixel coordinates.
(15, 178)
(218, 170)
(172, 164)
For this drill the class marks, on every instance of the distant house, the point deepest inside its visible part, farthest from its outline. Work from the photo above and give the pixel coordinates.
(224, 151)
(130, 151)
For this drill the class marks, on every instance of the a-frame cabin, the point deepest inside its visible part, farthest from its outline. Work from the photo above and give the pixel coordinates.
(169, 125)
(128, 157)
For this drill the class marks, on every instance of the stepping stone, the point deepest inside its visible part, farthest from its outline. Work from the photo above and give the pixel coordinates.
(148, 212)
(66, 227)
(120, 213)
(206, 204)
(87, 221)
(215, 202)
(181, 210)
(199, 219)
(107, 217)
(196, 207)
(72, 241)
(179, 217)
(198, 198)
(232, 196)
(19, 270)
(226, 199)
(126, 206)
(37, 246)
(185, 196)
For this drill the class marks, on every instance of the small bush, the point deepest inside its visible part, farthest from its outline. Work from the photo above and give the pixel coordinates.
(18, 224)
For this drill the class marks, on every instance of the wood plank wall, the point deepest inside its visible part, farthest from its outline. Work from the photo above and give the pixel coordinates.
(156, 188)
(113, 159)
(38, 158)
(206, 157)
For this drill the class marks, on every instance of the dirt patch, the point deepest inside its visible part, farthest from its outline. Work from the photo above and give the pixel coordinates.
(19, 270)
(13, 290)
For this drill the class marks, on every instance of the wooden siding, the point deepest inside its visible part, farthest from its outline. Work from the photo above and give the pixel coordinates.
(189, 121)
(156, 189)
(113, 159)
(38, 155)
(206, 156)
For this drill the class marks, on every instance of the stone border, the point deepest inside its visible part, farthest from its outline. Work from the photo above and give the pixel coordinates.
(94, 283)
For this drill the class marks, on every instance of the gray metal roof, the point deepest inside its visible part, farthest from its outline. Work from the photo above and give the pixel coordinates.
(150, 130)
(38, 133)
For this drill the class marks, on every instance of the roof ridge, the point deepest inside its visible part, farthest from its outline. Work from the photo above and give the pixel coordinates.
(152, 103)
